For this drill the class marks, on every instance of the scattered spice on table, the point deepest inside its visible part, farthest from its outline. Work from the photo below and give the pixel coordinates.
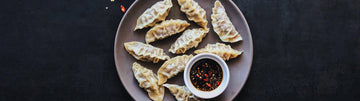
(122, 8)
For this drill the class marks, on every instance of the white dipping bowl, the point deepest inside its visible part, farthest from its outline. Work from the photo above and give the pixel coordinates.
(207, 94)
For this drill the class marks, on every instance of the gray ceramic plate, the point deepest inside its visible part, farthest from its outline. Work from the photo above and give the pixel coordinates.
(239, 67)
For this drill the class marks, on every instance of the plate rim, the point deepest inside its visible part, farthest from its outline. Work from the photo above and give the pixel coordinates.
(116, 44)
(251, 48)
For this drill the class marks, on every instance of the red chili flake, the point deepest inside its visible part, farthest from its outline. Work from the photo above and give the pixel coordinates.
(122, 8)
(208, 84)
(197, 75)
(218, 82)
(203, 65)
(206, 75)
(119, 0)
(205, 79)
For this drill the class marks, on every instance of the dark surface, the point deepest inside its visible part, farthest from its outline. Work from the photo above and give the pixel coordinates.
(63, 50)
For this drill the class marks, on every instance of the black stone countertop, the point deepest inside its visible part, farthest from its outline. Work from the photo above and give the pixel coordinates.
(304, 50)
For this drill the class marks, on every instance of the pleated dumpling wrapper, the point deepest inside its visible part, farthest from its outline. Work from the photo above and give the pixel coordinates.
(145, 52)
(220, 49)
(157, 12)
(222, 24)
(147, 80)
(189, 39)
(194, 12)
(165, 29)
(181, 93)
(172, 67)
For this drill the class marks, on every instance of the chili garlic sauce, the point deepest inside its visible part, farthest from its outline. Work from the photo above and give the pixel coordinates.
(206, 75)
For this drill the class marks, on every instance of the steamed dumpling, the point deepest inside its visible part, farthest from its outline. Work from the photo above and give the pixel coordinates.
(158, 12)
(165, 29)
(194, 12)
(145, 52)
(147, 80)
(181, 93)
(222, 24)
(189, 39)
(172, 67)
(222, 50)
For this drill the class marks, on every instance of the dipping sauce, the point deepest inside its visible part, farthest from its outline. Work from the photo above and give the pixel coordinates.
(206, 75)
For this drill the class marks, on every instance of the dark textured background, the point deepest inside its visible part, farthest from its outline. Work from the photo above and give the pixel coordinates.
(63, 50)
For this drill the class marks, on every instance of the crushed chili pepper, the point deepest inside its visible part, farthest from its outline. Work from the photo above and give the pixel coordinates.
(122, 8)
(208, 84)
(206, 79)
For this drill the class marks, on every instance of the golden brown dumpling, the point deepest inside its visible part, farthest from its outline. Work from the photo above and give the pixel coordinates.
(181, 93)
(189, 39)
(172, 67)
(165, 29)
(147, 80)
(222, 50)
(222, 24)
(145, 52)
(194, 12)
(158, 12)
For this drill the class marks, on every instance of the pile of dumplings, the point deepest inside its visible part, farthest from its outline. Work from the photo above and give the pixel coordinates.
(155, 17)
